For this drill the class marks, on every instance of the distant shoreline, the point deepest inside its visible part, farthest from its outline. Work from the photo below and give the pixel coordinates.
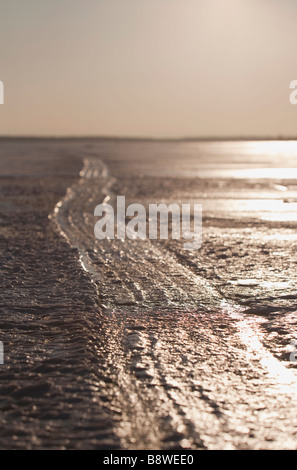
(153, 139)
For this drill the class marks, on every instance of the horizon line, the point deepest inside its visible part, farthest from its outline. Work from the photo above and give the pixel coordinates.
(156, 139)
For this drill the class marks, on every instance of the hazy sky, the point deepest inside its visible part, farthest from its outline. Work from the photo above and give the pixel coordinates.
(148, 67)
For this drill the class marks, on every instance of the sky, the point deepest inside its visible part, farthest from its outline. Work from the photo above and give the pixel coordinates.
(148, 68)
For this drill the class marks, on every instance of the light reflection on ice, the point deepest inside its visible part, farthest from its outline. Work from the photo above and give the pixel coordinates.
(284, 380)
